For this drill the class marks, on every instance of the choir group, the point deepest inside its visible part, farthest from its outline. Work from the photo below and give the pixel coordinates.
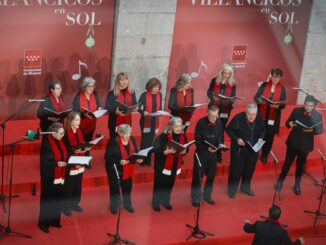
(61, 183)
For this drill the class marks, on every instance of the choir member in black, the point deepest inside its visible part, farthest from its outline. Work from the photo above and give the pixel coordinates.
(208, 129)
(271, 113)
(73, 183)
(270, 231)
(53, 157)
(244, 127)
(117, 152)
(300, 140)
(124, 94)
(150, 101)
(167, 163)
(223, 84)
(87, 100)
(182, 95)
(54, 102)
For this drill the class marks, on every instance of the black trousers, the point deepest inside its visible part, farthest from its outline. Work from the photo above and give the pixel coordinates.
(147, 140)
(50, 202)
(243, 164)
(115, 195)
(163, 185)
(208, 162)
(72, 190)
(269, 138)
(291, 154)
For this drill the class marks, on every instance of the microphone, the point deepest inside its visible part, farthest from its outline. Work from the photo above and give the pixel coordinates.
(116, 171)
(274, 157)
(32, 135)
(297, 88)
(321, 154)
(198, 160)
(36, 100)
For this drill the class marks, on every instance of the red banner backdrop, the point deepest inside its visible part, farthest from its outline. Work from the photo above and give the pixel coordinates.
(46, 40)
(251, 35)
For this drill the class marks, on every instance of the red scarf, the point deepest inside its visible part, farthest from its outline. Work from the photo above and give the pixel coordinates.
(124, 97)
(60, 154)
(58, 106)
(72, 138)
(223, 104)
(170, 158)
(127, 169)
(88, 124)
(276, 97)
(182, 101)
(149, 108)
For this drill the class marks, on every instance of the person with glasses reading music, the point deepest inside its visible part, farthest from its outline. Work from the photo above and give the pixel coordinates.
(270, 98)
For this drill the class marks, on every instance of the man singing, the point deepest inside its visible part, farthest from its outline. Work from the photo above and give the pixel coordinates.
(245, 129)
(208, 136)
(305, 123)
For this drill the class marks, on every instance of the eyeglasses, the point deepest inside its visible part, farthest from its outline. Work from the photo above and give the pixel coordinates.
(276, 77)
(90, 86)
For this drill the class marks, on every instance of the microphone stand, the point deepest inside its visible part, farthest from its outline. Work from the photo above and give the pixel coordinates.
(196, 231)
(276, 174)
(8, 229)
(317, 213)
(116, 237)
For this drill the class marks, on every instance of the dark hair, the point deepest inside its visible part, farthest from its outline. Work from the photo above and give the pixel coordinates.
(52, 85)
(54, 127)
(153, 82)
(275, 212)
(212, 107)
(71, 116)
(277, 72)
(310, 98)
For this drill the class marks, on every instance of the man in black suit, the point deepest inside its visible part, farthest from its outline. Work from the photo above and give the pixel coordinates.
(305, 122)
(270, 232)
(245, 129)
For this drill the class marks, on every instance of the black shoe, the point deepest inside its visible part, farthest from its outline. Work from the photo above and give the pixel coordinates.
(113, 210)
(263, 159)
(209, 200)
(248, 192)
(231, 195)
(130, 209)
(77, 209)
(297, 190)
(195, 204)
(44, 229)
(278, 186)
(156, 208)
(167, 206)
(67, 212)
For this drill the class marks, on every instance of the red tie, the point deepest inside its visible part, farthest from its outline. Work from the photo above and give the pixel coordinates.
(307, 113)
(211, 124)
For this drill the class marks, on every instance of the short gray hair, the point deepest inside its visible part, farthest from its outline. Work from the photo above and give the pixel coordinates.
(251, 107)
(124, 129)
(86, 82)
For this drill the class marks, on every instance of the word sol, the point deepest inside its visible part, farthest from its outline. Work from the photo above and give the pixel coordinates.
(82, 19)
(283, 18)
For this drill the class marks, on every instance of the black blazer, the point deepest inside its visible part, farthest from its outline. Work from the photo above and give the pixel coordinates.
(269, 233)
(173, 103)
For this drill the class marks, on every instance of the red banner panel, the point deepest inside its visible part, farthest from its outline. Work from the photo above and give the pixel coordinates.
(46, 40)
(253, 36)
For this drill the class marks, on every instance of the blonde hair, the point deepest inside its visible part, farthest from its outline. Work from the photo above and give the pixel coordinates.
(173, 120)
(120, 76)
(227, 68)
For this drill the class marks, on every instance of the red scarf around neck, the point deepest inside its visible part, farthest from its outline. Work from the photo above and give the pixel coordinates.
(223, 104)
(60, 154)
(149, 108)
(72, 138)
(124, 97)
(58, 106)
(87, 124)
(276, 97)
(182, 101)
(127, 169)
(168, 164)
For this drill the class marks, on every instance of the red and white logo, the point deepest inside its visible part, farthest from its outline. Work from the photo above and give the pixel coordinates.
(239, 53)
(32, 58)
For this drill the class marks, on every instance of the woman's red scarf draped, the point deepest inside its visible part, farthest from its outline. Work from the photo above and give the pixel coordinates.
(168, 164)
(60, 154)
(127, 169)
(149, 108)
(58, 106)
(88, 124)
(182, 101)
(72, 137)
(124, 97)
(223, 104)
(276, 97)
